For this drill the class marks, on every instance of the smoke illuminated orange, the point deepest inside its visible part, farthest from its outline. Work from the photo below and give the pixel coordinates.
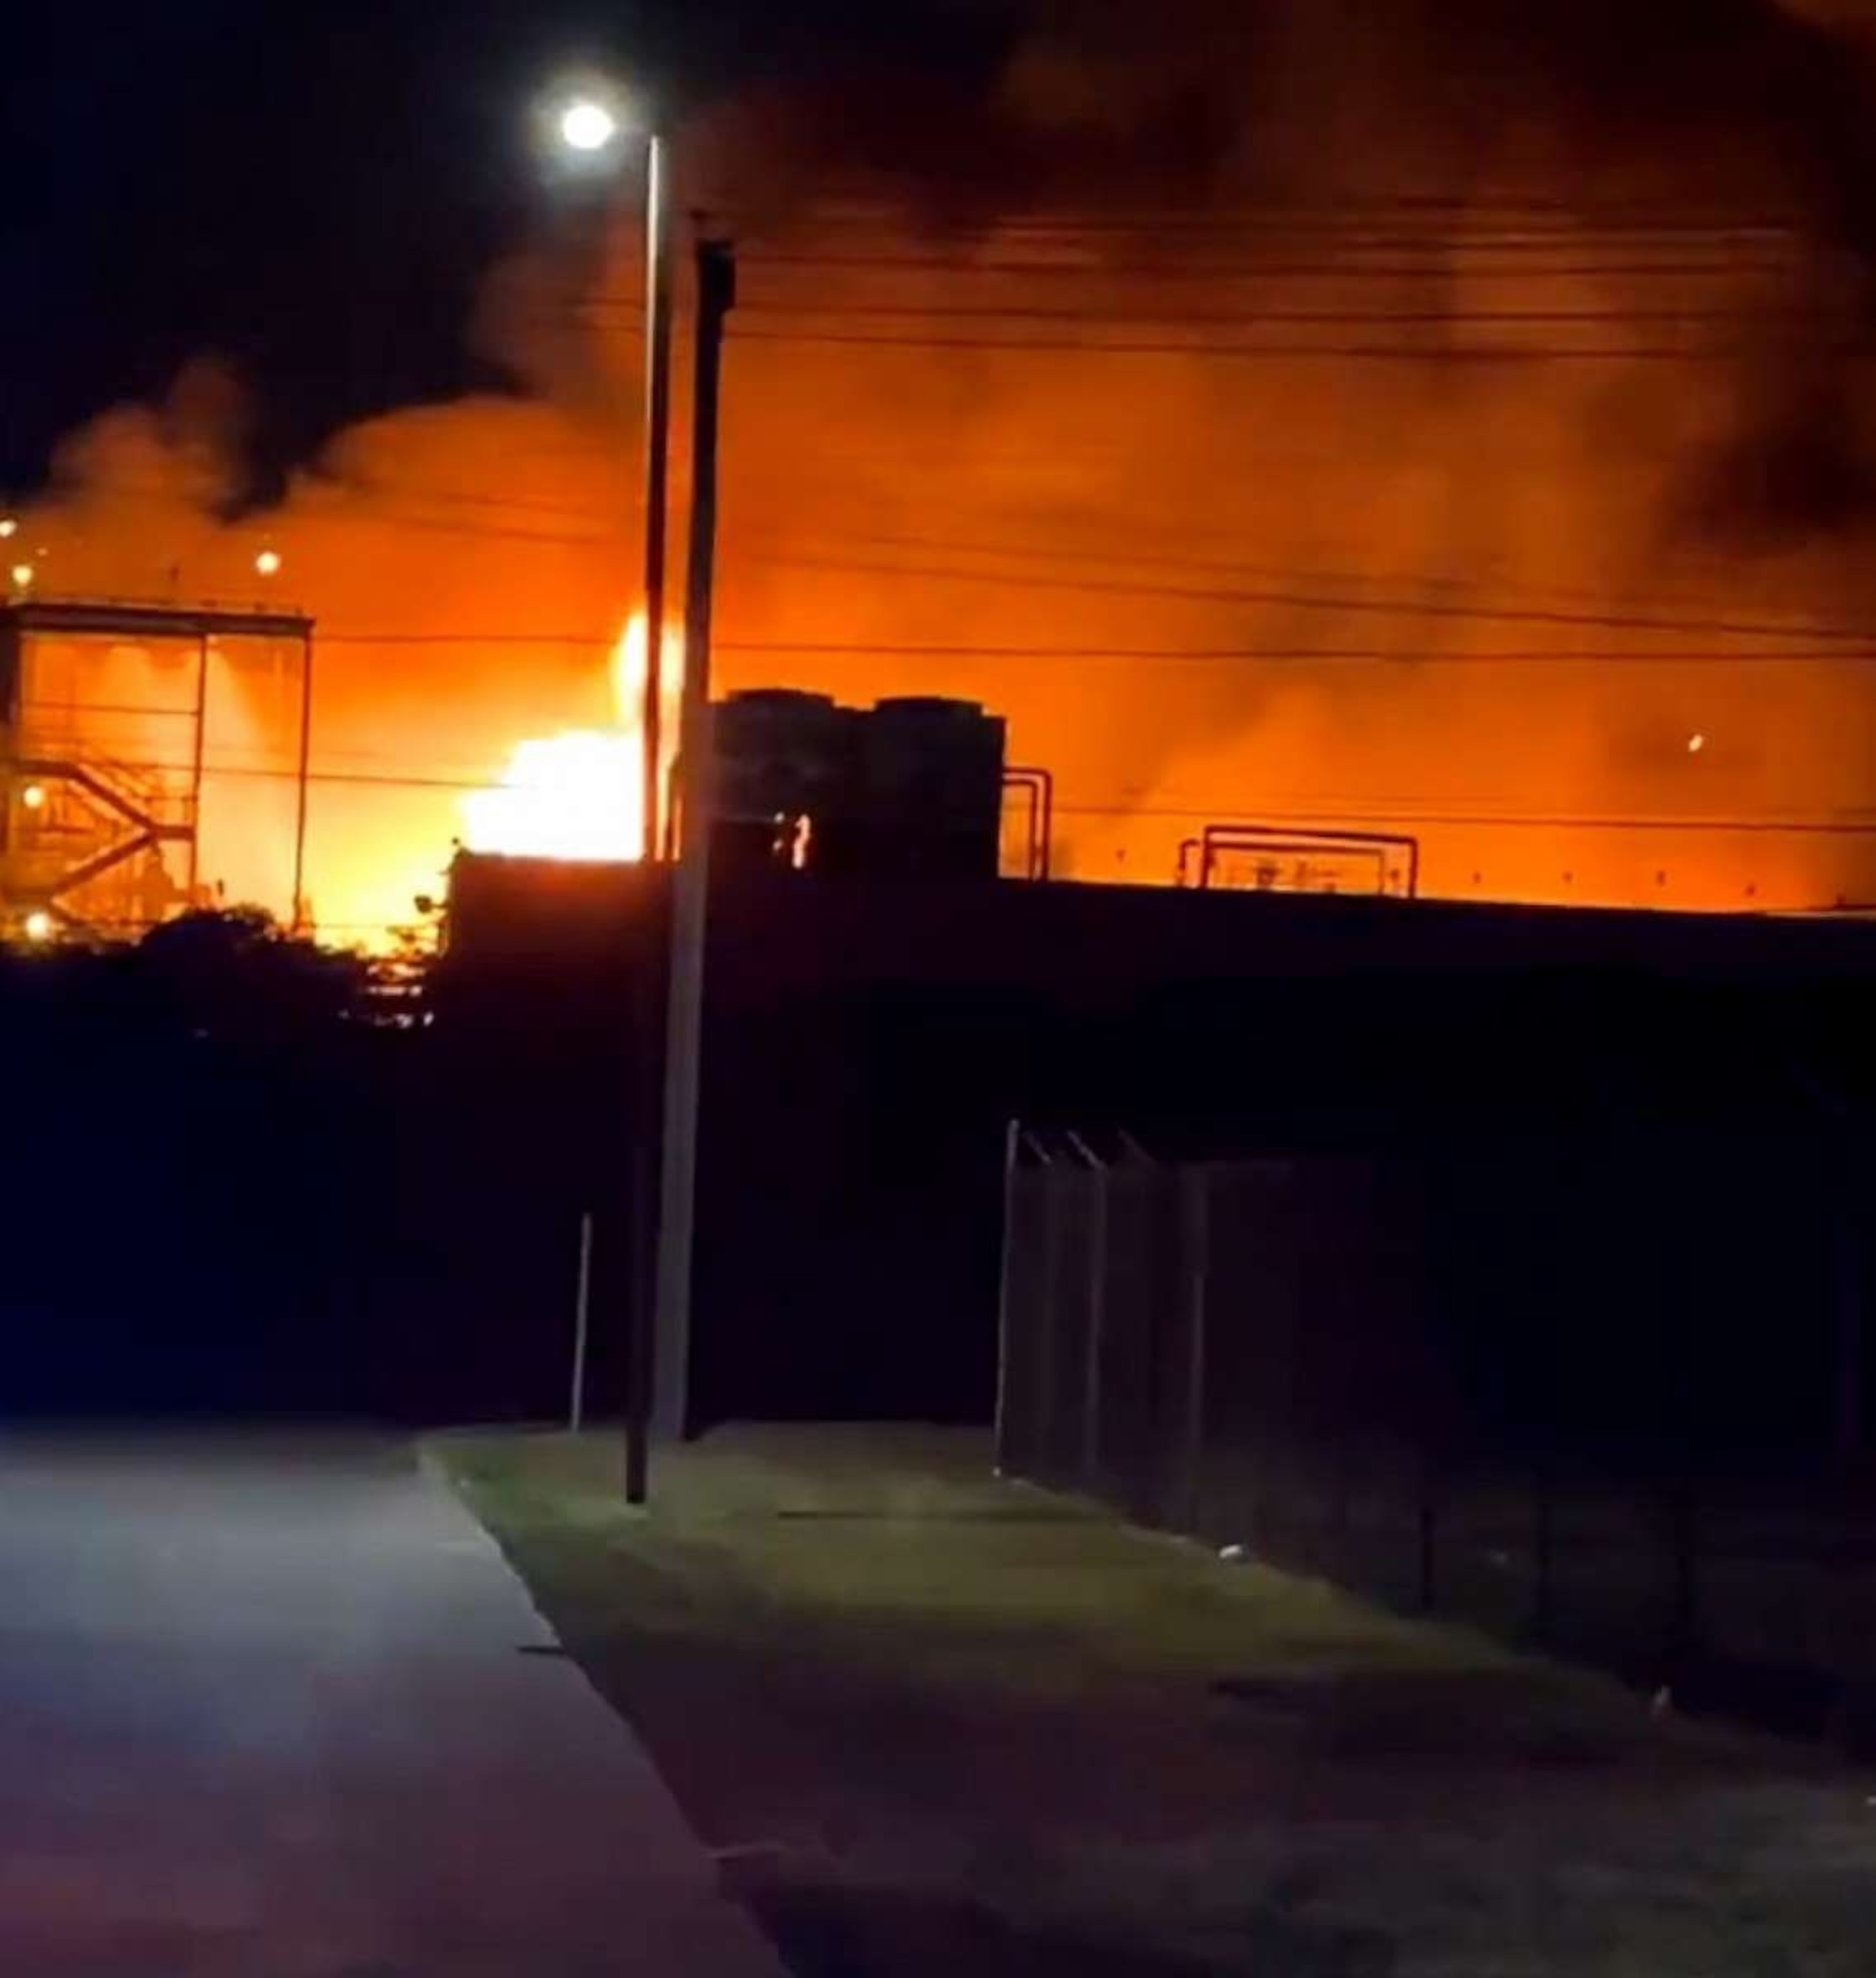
(581, 795)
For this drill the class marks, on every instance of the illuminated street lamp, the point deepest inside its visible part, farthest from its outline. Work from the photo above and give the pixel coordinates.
(586, 124)
(9, 527)
(33, 796)
(38, 925)
(268, 564)
(23, 574)
(588, 130)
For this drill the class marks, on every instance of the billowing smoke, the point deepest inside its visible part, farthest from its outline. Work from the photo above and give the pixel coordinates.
(1450, 417)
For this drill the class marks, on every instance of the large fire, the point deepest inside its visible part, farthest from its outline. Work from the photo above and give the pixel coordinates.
(1406, 480)
(580, 794)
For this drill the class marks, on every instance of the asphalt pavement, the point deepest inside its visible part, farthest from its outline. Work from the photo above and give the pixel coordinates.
(274, 1707)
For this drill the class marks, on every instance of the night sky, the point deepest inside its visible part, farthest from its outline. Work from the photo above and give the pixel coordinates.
(316, 204)
(311, 192)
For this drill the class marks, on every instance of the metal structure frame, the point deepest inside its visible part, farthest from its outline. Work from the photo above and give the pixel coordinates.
(21, 618)
(1198, 857)
(1036, 789)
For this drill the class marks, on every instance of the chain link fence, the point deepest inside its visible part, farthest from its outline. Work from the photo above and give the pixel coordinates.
(1611, 1398)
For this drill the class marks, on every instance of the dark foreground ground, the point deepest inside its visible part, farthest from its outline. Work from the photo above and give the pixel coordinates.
(935, 1724)
(272, 1706)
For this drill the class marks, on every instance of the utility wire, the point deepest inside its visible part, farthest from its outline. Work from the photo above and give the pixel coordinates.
(1292, 601)
(1406, 813)
(1435, 353)
(1500, 821)
(1729, 267)
(996, 312)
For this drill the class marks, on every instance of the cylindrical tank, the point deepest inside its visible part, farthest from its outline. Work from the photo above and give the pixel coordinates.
(780, 755)
(913, 786)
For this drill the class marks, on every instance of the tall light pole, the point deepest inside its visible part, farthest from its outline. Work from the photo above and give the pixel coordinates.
(690, 882)
(588, 130)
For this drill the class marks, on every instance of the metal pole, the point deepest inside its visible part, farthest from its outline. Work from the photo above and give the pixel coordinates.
(646, 1162)
(1095, 1339)
(1852, 1382)
(1012, 1147)
(576, 1409)
(691, 881)
(306, 771)
(1198, 1216)
(657, 455)
(195, 770)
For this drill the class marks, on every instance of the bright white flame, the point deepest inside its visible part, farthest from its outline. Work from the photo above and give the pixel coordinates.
(574, 795)
(33, 796)
(268, 564)
(587, 126)
(580, 795)
(38, 925)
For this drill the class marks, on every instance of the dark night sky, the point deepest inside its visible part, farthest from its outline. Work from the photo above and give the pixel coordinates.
(311, 196)
(315, 197)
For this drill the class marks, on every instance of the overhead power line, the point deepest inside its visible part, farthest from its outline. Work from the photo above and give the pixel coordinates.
(1391, 353)
(1287, 655)
(1842, 824)
(1251, 654)
(996, 312)
(1619, 621)
(1717, 265)
(1497, 821)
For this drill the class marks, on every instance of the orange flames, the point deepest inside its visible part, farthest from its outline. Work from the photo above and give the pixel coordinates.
(580, 794)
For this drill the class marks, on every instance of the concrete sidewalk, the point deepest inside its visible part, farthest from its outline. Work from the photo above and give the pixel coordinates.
(274, 1707)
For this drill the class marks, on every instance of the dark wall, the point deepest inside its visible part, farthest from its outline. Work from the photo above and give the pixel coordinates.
(234, 1179)
(1586, 1082)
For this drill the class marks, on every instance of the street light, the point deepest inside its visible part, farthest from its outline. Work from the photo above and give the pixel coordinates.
(588, 130)
(268, 564)
(587, 125)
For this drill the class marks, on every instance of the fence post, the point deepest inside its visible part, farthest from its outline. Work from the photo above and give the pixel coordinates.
(1543, 1550)
(1428, 1523)
(1042, 1370)
(1850, 1592)
(1093, 1357)
(576, 1406)
(1006, 1320)
(1339, 1548)
(1684, 1620)
(1198, 1220)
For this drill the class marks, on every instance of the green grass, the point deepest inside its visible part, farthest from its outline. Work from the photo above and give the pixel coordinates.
(935, 1723)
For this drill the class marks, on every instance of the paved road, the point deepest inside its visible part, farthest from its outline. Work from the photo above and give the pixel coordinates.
(268, 1709)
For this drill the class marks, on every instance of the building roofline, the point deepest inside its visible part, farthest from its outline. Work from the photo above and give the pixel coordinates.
(136, 619)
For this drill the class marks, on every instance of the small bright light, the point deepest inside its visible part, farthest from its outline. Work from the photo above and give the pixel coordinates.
(38, 925)
(23, 574)
(268, 563)
(1695, 743)
(33, 796)
(587, 126)
(9, 527)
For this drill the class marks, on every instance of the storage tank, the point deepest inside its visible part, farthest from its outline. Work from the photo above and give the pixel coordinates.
(927, 796)
(781, 757)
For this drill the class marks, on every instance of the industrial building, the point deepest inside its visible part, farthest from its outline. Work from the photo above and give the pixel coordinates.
(132, 734)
